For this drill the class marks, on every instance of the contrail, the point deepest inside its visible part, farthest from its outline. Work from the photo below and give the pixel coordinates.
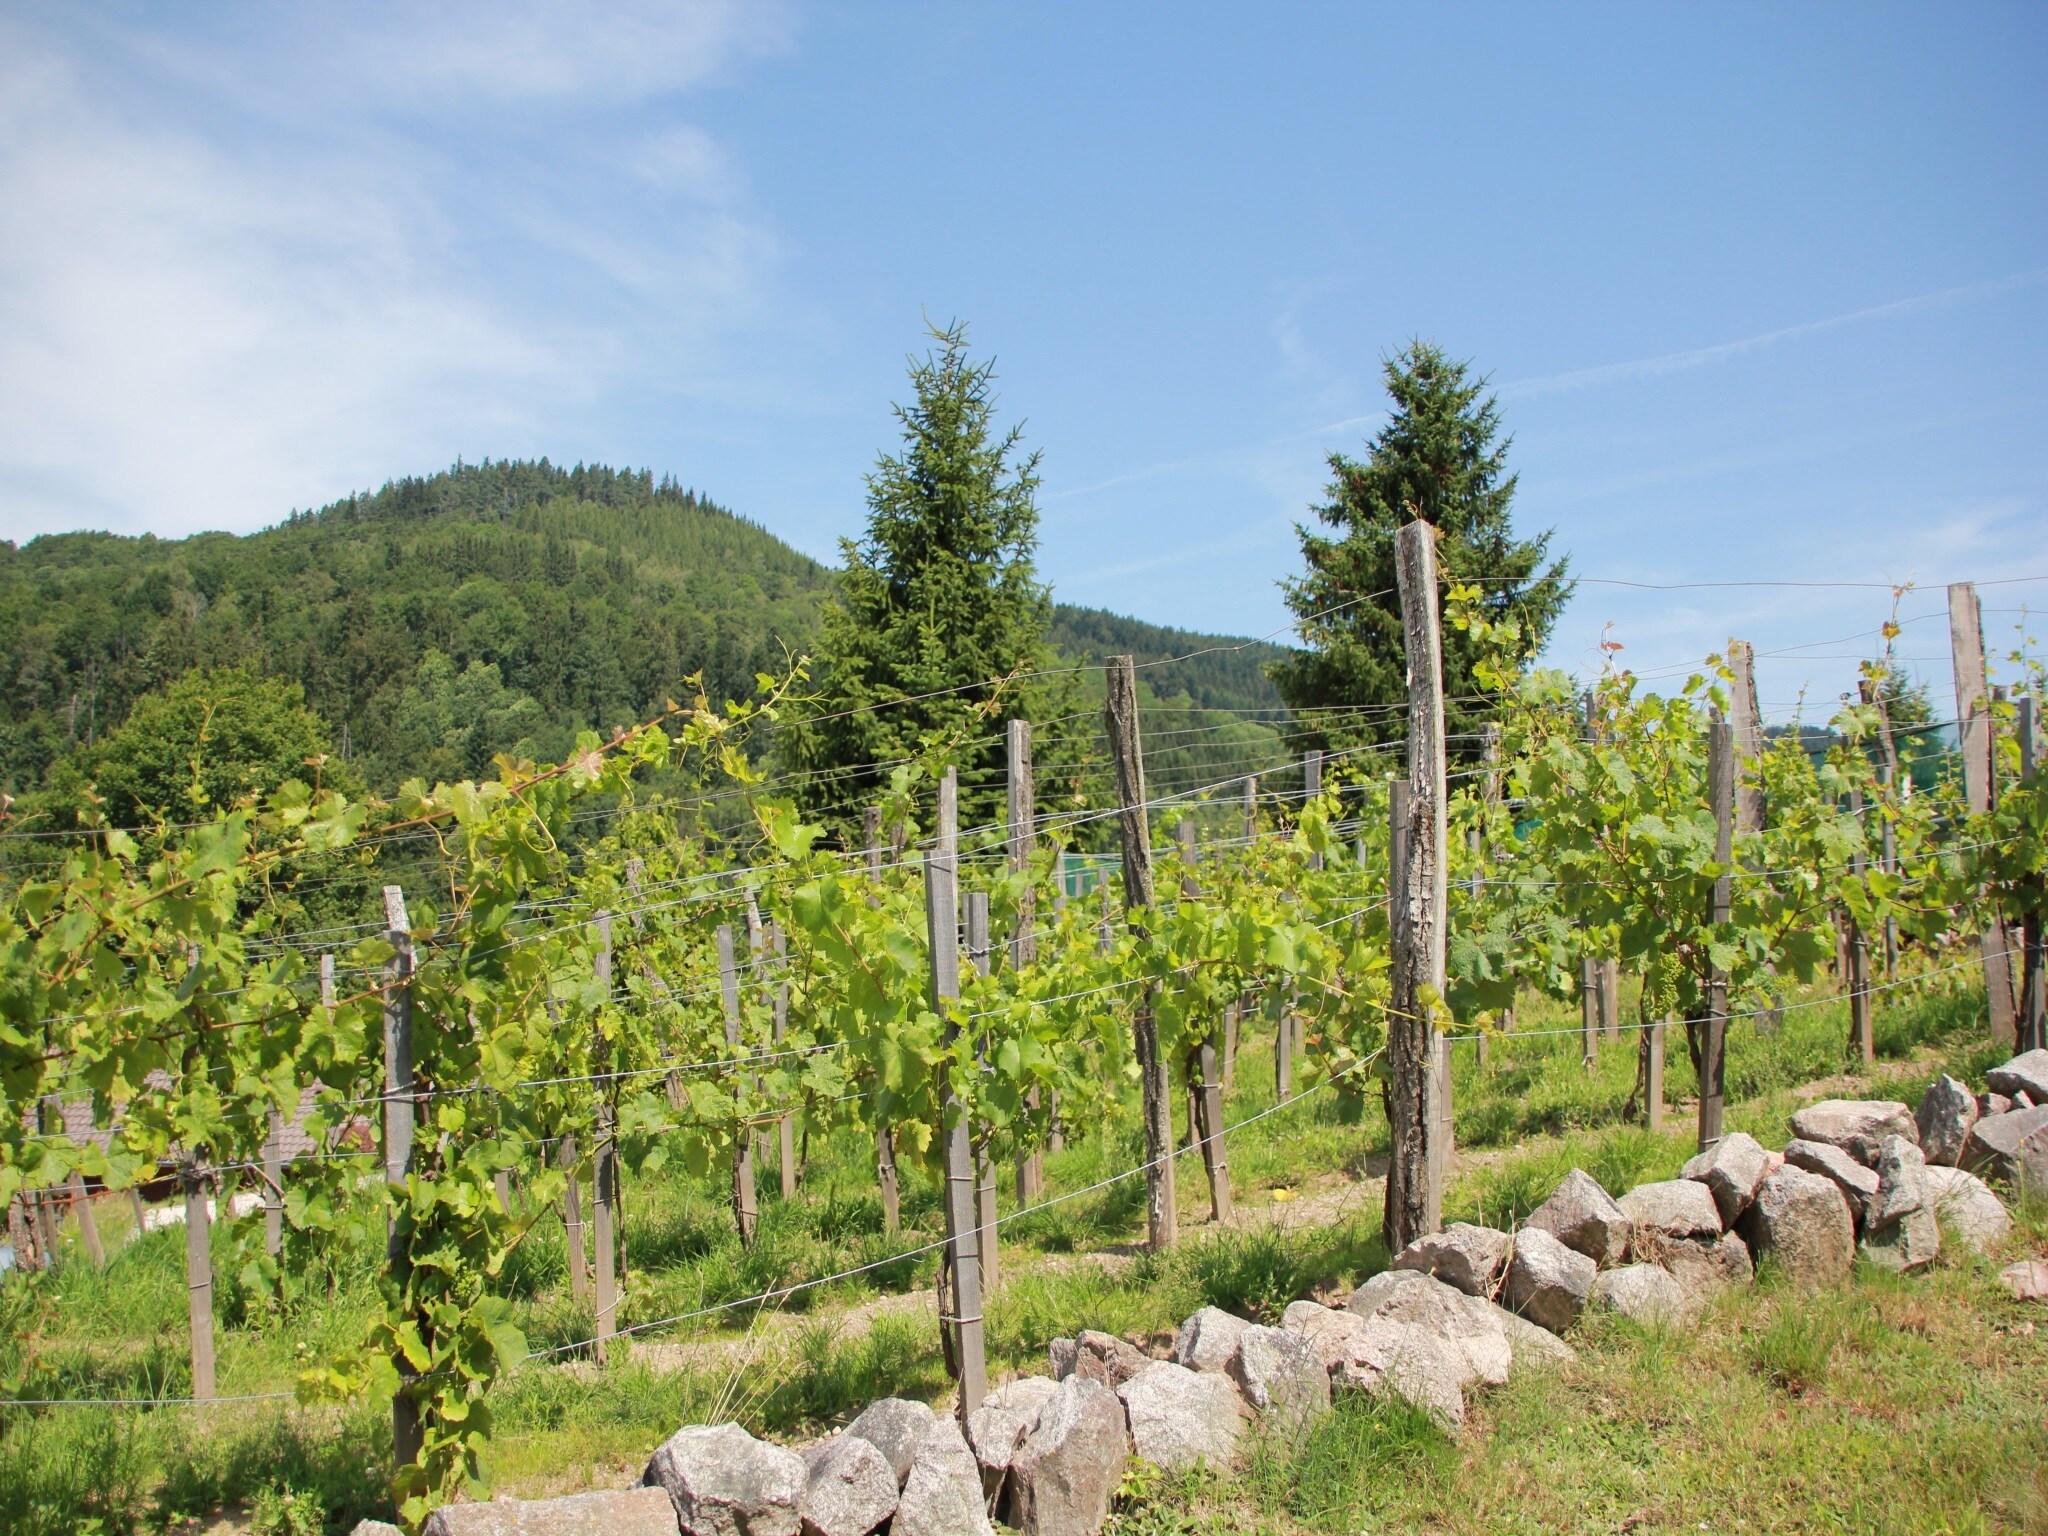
(1678, 362)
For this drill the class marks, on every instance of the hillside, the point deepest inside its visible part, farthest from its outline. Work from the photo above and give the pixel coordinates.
(446, 617)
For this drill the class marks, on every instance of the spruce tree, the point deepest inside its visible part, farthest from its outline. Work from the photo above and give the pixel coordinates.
(939, 620)
(1441, 458)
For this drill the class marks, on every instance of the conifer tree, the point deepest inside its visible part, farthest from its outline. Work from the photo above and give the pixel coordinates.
(939, 621)
(1440, 458)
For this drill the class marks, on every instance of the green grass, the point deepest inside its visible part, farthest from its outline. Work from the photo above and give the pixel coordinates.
(1564, 1454)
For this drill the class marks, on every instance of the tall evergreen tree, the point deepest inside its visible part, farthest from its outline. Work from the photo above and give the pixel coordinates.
(1440, 458)
(939, 603)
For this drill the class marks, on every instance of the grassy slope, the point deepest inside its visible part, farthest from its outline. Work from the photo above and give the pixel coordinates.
(1897, 1405)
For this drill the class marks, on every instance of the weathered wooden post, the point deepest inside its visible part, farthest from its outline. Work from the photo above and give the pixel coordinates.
(401, 1114)
(984, 1165)
(604, 1155)
(568, 1158)
(88, 1223)
(1653, 1076)
(1589, 1013)
(1022, 807)
(1975, 728)
(1120, 712)
(1205, 1090)
(785, 1125)
(1311, 789)
(1713, 1040)
(942, 933)
(2033, 1016)
(1416, 1063)
(193, 1180)
(885, 1142)
(1862, 1040)
(745, 1207)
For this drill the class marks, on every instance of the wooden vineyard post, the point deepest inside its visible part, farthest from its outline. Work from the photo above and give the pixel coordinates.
(1887, 778)
(1713, 1045)
(756, 948)
(1589, 1013)
(1234, 1019)
(1415, 1090)
(1205, 1090)
(1311, 787)
(400, 1123)
(604, 1155)
(2033, 1013)
(745, 1210)
(192, 1179)
(1974, 728)
(1609, 985)
(942, 934)
(1653, 1077)
(572, 1219)
(1862, 1040)
(885, 1142)
(1745, 722)
(88, 1223)
(273, 1184)
(1120, 716)
(984, 1166)
(785, 1125)
(1022, 831)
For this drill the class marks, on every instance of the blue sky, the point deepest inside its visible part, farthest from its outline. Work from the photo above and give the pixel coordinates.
(1764, 289)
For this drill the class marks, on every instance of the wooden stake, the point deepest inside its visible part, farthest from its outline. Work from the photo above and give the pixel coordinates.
(1976, 728)
(2033, 1016)
(1120, 716)
(785, 1127)
(984, 1167)
(88, 1224)
(1205, 1092)
(885, 1142)
(745, 1210)
(572, 1220)
(199, 1278)
(1888, 777)
(1654, 1078)
(1714, 1038)
(1416, 1099)
(1023, 838)
(1862, 1038)
(1312, 786)
(1589, 1013)
(604, 1156)
(400, 1122)
(942, 934)
(1745, 721)
(1610, 999)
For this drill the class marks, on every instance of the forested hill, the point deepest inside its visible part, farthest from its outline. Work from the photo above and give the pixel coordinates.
(1231, 676)
(443, 618)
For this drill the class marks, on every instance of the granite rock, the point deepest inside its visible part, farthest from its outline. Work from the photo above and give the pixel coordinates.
(1857, 1126)
(1468, 1257)
(1946, 1114)
(1802, 1221)
(1179, 1418)
(1548, 1283)
(1584, 1217)
(724, 1482)
(1731, 1169)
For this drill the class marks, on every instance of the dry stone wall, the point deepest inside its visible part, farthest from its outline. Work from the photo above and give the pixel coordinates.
(1460, 1311)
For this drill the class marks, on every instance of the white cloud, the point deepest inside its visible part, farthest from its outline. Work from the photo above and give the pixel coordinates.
(551, 48)
(212, 310)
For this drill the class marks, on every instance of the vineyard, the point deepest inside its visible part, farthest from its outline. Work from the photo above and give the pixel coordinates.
(589, 1073)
